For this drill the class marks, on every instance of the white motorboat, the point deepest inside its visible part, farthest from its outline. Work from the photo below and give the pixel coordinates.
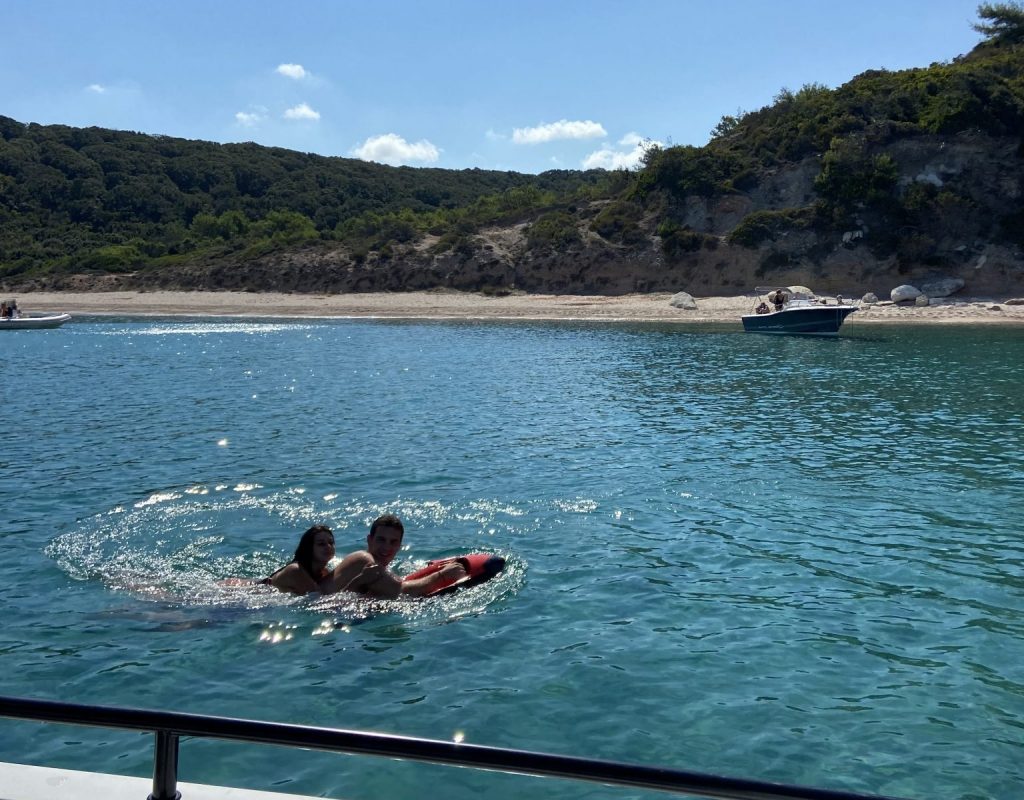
(796, 312)
(33, 321)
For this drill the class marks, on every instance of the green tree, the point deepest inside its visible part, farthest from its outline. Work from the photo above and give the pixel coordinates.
(229, 225)
(727, 125)
(286, 227)
(1005, 22)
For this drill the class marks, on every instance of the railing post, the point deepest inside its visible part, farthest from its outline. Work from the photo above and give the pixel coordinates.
(165, 767)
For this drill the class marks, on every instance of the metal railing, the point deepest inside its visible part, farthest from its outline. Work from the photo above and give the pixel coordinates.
(168, 726)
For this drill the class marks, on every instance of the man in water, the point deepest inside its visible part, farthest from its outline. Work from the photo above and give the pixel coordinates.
(366, 571)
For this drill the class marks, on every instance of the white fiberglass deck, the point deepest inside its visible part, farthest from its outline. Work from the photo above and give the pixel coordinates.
(23, 782)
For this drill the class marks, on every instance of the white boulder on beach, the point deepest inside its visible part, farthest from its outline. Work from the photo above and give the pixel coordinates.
(904, 293)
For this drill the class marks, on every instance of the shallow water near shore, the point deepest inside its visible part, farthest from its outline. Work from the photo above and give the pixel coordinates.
(790, 559)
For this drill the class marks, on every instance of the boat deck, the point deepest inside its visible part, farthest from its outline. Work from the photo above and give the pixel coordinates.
(23, 782)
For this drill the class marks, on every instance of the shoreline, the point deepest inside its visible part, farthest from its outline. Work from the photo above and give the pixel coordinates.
(448, 304)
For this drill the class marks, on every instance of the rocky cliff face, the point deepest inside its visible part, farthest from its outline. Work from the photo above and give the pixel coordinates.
(957, 209)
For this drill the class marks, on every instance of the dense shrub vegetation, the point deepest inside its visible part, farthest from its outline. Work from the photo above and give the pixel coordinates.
(619, 222)
(555, 230)
(762, 226)
(982, 91)
(677, 240)
(109, 200)
(851, 178)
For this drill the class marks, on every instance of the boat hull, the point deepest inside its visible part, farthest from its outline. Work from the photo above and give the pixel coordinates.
(33, 323)
(807, 321)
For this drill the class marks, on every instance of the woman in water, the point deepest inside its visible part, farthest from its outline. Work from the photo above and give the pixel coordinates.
(309, 564)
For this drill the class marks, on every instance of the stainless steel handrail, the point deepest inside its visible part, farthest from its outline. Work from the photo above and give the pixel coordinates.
(169, 726)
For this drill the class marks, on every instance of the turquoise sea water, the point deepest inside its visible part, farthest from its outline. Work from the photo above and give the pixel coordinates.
(791, 559)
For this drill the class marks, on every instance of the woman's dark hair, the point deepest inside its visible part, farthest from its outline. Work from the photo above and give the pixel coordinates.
(304, 552)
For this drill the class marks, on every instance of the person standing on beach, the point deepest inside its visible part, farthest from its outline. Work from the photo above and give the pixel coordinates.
(366, 571)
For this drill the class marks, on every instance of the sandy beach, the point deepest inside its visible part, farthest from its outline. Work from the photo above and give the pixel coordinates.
(464, 305)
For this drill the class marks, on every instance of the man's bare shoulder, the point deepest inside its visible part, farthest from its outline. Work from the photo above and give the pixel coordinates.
(358, 557)
(356, 572)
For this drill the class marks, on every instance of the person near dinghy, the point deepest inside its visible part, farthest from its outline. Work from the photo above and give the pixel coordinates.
(366, 571)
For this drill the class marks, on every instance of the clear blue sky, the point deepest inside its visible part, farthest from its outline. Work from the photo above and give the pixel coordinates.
(527, 85)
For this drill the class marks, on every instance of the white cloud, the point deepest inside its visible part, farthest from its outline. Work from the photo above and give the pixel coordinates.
(95, 87)
(293, 71)
(249, 119)
(301, 111)
(563, 129)
(493, 136)
(390, 148)
(610, 158)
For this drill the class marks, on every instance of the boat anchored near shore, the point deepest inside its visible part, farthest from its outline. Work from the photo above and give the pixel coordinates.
(796, 310)
(33, 322)
(11, 318)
